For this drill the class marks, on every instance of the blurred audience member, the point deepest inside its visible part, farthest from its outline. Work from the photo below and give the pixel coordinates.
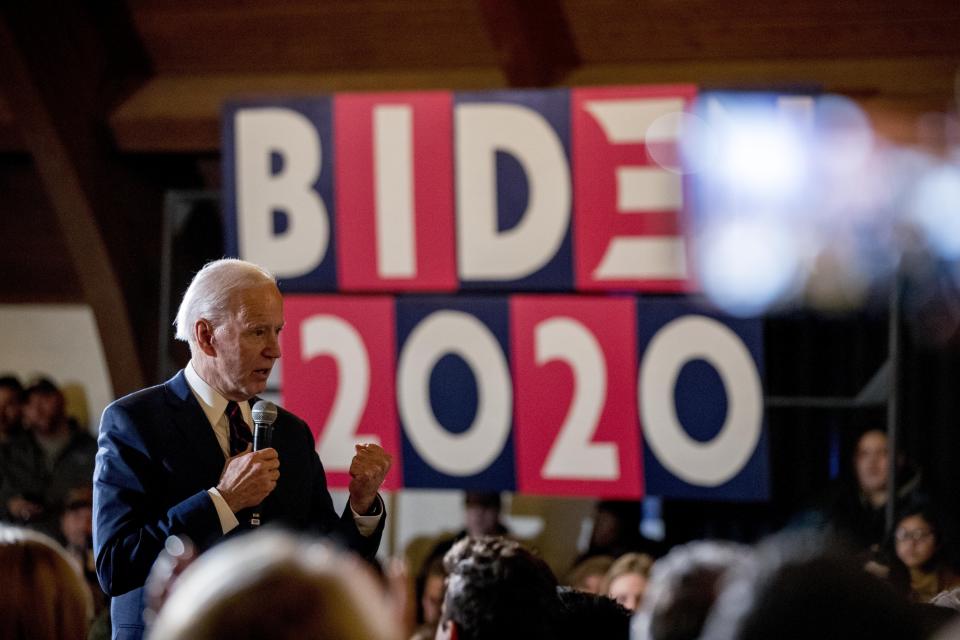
(11, 392)
(616, 530)
(796, 591)
(482, 515)
(273, 585)
(683, 587)
(43, 596)
(429, 589)
(626, 580)
(858, 513)
(45, 461)
(918, 539)
(588, 574)
(587, 615)
(76, 535)
(497, 590)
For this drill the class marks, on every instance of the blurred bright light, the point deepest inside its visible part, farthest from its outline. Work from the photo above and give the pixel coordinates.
(935, 207)
(762, 158)
(844, 136)
(692, 146)
(747, 264)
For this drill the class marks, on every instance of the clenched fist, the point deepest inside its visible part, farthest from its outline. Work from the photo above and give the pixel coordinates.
(249, 477)
(367, 471)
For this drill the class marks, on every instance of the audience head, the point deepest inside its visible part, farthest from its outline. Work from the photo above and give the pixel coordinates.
(76, 520)
(683, 587)
(588, 574)
(273, 585)
(871, 462)
(482, 513)
(44, 596)
(796, 590)
(588, 615)
(11, 392)
(430, 588)
(43, 408)
(230, 316)
(626, 580)
(616, 524)
(917, 536)
(497, 590)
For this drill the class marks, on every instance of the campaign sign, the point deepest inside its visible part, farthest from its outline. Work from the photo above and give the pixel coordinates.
(454, 393)
(278, 189)
(338, 366)
(629, 197)
(394, 180)
(700, 402)
(576, 420)
(513, 189)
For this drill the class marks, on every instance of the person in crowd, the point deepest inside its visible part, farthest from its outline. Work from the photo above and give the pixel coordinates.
(43, 595)
(918, 540)
(588, 615)
(683, 587)
(616, 531)
(175, 459)
(588, 574)
(857, 515)
(429, 588)
(797, 589)
(48, 458)
(626, 580)
(497, 590)
(275, 585)
(11, 392)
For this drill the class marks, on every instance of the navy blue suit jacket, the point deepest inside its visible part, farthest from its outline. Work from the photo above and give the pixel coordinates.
(157, 458)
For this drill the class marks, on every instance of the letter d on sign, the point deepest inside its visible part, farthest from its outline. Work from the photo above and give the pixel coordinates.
(260, 134)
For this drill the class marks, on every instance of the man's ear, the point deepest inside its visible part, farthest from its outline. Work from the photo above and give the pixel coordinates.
(203, 332)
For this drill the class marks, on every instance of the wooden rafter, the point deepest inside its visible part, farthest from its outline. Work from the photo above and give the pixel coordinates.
(57, 63)
(532, 38)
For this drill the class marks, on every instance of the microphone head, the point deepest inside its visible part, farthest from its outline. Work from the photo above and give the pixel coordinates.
(264, 412)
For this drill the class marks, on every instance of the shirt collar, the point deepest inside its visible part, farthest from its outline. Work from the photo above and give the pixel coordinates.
(212, 403)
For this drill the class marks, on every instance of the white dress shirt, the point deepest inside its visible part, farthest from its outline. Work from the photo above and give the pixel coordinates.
(214, 407)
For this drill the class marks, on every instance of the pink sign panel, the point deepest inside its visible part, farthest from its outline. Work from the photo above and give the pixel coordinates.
(338, 375)
(574, 365)
(628, 230)
(394, 191)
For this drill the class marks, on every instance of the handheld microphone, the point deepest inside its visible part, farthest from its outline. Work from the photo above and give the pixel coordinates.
(264, 415)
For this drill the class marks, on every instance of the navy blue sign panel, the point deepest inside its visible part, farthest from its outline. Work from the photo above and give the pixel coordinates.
(454, 393)
(514, 190)
(278, 159)
(700, 401)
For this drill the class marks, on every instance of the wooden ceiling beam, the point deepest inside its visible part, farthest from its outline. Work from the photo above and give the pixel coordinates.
(181, 114)
(532, 38)
(61, 74)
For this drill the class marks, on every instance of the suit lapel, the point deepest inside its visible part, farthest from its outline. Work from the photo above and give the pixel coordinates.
(193, 429)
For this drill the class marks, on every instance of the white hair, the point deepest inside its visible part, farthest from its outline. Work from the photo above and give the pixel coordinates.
(209, 293)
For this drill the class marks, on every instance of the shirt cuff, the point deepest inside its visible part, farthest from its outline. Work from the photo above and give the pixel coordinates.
(366, 525)
(228, 519)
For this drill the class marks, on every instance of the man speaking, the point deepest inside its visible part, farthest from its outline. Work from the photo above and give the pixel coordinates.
(176, 459)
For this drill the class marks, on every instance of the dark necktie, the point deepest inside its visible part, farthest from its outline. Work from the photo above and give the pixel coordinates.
(240, 435)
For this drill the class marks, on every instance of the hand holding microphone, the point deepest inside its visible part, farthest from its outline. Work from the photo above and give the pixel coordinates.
(252, 475)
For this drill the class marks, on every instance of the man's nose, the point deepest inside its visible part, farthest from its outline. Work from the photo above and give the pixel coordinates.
(273, 347)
